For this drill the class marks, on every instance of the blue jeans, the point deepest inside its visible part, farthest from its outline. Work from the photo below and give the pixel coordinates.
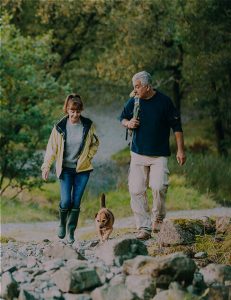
(72, 186)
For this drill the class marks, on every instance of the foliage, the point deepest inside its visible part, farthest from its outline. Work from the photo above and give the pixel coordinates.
(185, 45)
(27, 94)
(207, 64)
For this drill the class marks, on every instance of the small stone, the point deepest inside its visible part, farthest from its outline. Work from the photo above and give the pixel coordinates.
(201, 255)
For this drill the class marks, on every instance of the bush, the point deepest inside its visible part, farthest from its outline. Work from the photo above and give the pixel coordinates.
(207, 173)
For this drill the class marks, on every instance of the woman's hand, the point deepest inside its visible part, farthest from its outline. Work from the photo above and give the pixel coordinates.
(45, 174)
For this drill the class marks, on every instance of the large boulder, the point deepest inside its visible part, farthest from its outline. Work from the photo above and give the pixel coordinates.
(223, 224)
(76, 297)
(182, 231)
(9, 287)
(57, 250)
(165, 269)
(76, 280)
(216, 273)
(115, 252)
(143, 286)
(115, 292)
(218, 292)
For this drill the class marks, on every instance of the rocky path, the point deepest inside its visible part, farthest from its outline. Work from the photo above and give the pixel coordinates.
(122, 268)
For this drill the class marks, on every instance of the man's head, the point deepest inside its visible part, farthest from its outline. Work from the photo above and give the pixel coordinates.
(142, 84)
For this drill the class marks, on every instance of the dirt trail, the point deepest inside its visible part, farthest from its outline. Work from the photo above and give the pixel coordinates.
(47, 230)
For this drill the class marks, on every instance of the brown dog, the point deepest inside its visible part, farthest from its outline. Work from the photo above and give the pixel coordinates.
(104, 221)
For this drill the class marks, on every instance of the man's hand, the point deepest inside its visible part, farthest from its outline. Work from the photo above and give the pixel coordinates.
(45, 174)
(180, 157)
(133, 123)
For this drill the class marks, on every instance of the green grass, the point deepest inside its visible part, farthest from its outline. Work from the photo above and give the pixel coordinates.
(34, 206)
(179, 196)
(122, 157)
(218, 252)
(17, 211)
(6, 239)
(208, 174)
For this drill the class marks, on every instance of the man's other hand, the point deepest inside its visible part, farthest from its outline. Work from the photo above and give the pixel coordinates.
(181, 157)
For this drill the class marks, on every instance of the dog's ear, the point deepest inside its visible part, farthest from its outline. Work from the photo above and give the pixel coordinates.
(96, 215)
(108, 215)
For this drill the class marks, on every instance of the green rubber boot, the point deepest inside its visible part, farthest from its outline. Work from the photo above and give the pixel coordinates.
(72, 224)
(63, 213)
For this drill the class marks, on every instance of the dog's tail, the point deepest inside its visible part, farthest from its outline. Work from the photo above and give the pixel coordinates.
(103, 202)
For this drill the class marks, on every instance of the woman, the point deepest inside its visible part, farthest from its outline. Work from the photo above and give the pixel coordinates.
(72, 143)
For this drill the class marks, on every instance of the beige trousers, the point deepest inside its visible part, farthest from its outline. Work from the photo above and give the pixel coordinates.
(147, 171)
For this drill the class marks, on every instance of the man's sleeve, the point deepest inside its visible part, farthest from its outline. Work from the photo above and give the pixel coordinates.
(174, 118)
(127, 112)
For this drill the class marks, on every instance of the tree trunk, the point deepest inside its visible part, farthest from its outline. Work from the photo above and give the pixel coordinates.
(177, 75)
(176, 88)
(218, 124)
(220, 138)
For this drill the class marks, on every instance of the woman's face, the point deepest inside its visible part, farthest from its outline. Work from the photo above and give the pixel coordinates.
(74, 115)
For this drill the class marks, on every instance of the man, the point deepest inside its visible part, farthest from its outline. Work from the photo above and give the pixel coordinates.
(149, 151)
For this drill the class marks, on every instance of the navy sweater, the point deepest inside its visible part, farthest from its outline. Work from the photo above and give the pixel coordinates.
(157, 115)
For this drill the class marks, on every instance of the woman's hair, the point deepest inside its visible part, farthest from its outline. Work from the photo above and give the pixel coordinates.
(74, 102)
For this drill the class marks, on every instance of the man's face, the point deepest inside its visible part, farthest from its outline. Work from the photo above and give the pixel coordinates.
(140, 90)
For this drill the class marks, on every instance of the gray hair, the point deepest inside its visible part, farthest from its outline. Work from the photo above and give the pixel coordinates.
(144, 77)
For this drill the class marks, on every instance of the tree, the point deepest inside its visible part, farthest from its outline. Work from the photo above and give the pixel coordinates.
(147, 38)
(79, 35)
(27, 96)
(208, 64)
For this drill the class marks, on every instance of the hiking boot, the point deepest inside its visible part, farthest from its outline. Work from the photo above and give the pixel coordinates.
(72, 224)
(143, 235)
(62, 225)
(156, 226)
